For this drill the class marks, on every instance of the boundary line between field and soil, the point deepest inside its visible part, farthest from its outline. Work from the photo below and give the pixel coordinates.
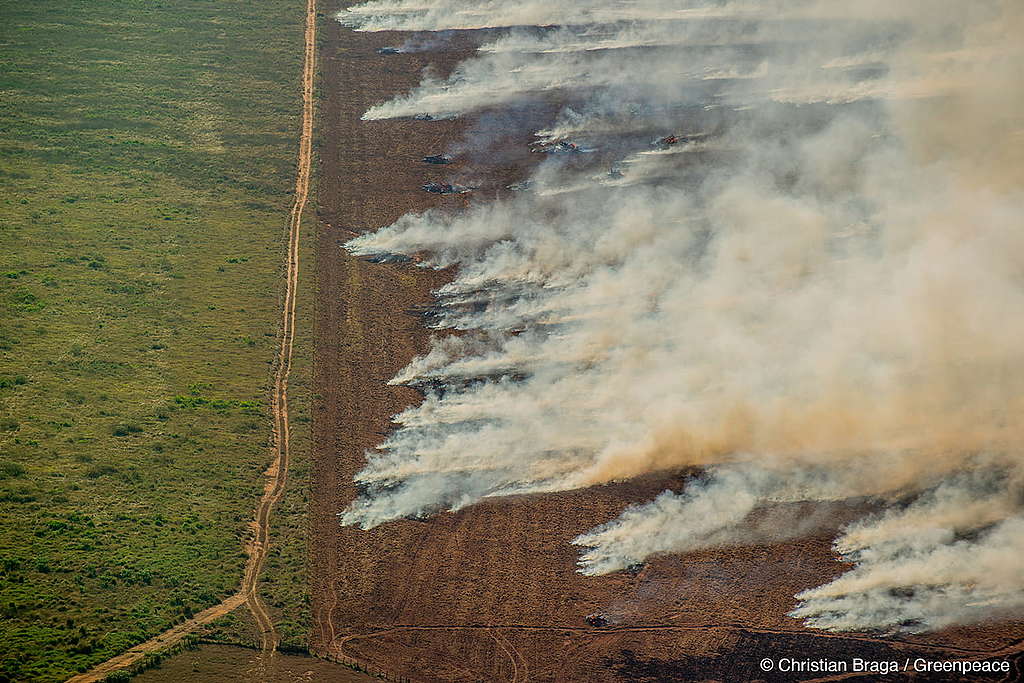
(277, 472)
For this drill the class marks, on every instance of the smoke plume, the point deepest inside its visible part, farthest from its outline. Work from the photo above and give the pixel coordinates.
(784, 245)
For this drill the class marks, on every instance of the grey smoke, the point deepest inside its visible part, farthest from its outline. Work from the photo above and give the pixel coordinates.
(817, 298)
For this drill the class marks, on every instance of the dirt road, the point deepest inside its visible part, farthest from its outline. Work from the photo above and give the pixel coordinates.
(277, 472)
(163, 641)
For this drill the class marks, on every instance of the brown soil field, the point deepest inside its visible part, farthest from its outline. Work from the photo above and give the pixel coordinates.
(226, 663)
(491, 593)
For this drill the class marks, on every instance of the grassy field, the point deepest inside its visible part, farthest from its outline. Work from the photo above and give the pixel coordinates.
(147, 153)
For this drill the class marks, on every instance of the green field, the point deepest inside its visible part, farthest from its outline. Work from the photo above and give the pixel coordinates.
(147, 154)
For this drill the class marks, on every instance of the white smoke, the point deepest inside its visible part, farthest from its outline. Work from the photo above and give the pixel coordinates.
(814, 290)
(439, 15)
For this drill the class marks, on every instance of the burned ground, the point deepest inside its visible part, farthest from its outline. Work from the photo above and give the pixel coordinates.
(491, 592)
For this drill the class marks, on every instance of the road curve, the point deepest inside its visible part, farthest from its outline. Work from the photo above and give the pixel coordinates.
(277, 472)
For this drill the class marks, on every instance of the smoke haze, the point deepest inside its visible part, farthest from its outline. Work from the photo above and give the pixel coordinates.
(814, 292)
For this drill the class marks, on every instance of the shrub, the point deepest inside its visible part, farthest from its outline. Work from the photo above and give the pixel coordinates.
(10, 470)
(97, 471)
(17, 380)
(126, 429)
(22, 299)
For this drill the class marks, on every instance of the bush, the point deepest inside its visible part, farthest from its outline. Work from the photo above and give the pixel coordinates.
(17, 380)
(10, 470)
(22, 299)
(98, 471)
(127, 428)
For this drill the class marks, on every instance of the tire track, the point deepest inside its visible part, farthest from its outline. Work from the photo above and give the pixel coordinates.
(511, 652)
(337, 648)
(277, 472)
(677, 627)
(327, 631)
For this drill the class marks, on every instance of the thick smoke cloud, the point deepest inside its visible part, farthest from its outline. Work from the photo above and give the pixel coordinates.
(814, 291)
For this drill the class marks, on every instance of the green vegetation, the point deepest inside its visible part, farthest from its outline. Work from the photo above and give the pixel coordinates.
(283, 585)
(153, 660)
(147, 154)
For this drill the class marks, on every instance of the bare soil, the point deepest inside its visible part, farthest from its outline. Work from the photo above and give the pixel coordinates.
(228, 664)
(491, 592)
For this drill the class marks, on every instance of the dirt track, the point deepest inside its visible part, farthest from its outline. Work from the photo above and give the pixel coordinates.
(163, 641)
(277, 472)
(490, 593)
